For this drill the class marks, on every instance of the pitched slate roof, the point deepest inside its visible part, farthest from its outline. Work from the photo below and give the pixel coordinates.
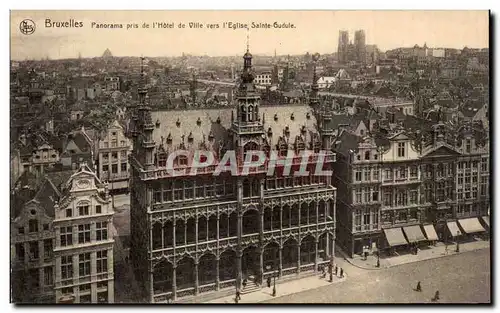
(193, 128)
(284, 119)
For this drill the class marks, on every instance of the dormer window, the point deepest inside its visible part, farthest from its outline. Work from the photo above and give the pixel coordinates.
(157, 123)
(210, 136)
(169, 138)
(275, 117)
(308, 115)
(269, 132)
(287, 131)
(178, 123)
(198, 122)
(292, 117)
(162, 159)
(218, 120)
(367, 155)
(190, 137)
(183, 160)
(303, 129)
(283, 150)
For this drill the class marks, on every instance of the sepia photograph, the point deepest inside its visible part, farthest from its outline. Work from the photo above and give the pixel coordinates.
(244, 157)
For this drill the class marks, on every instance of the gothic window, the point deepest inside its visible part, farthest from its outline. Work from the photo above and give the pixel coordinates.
(243, 113)
(250, 113)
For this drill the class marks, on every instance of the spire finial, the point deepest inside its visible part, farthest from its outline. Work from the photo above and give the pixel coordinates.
(248, 40)
(142, 64)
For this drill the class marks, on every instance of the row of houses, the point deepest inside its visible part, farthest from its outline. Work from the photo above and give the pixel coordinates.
(393, 175)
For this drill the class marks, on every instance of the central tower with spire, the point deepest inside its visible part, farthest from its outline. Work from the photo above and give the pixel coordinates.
(247, 125)
(247, 132)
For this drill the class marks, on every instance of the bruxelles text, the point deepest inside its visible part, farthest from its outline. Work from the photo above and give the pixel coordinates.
(253, 160)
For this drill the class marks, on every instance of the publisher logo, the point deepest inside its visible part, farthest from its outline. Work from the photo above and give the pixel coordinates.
(27, 27)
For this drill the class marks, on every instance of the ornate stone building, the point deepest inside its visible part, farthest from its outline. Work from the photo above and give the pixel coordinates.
(199, 234)
(83, 249)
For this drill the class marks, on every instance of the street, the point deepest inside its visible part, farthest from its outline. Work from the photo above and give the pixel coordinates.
(462, 278)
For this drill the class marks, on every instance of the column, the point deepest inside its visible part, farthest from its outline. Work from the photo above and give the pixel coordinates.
(316, 255)
(238, 268)
(174, 282)
(261, 228)
(151, 287)
(163, 234)
(218, 225)
(196, 231)
(280, 268)
(217, 280)
(173, 233)
(111, 291)
(298, 258)
(333, 245)
(261, 266)
(196, 283)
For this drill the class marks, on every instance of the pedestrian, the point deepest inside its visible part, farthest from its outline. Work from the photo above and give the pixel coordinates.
(238, 296)
(341, 272)
(236, 300)
(419, 287)
(244, 283)
(436, 296)
(336, 270)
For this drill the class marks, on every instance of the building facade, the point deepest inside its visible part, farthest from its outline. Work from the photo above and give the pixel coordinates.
(32, 242)
(113, 149)
(204, 233)
(399, 187)
(83, 250)
(264, 78)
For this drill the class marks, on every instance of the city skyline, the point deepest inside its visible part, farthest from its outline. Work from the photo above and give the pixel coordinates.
(443, 29)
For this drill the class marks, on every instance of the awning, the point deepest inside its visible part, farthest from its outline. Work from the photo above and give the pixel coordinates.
(471, 225)
(486, 220)
(414, 233)
(395, 237)
(454, 230)
(430, 232)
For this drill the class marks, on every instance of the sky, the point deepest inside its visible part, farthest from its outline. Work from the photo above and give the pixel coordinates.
(314, 31)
